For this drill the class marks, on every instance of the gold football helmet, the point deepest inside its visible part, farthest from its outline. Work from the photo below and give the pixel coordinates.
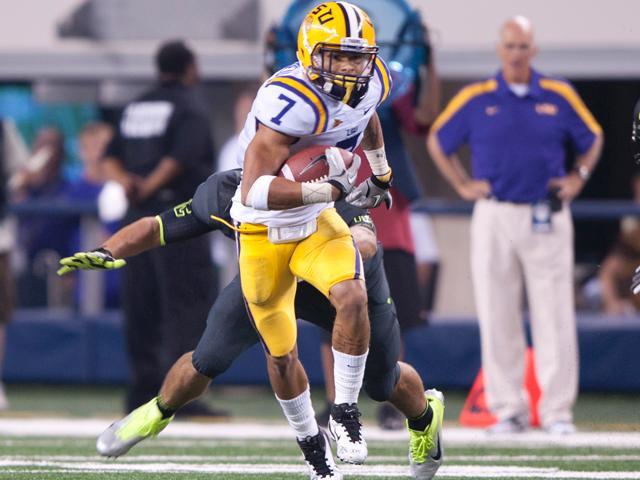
(337, 48)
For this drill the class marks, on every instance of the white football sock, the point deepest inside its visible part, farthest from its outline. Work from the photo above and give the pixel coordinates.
(348, 372)
(300, 414)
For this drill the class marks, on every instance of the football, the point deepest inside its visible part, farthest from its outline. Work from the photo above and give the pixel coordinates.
(310, 164)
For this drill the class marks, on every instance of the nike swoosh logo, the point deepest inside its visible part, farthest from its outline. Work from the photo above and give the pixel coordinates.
(313, 163)
(438, 454)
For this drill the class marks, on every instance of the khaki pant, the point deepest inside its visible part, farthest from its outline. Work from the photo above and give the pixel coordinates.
(504, 252)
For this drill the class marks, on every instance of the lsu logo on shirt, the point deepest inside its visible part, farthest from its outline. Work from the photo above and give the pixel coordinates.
(546, 109)
(491, 110)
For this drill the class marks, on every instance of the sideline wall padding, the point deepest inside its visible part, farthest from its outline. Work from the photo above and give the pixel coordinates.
(53, 347)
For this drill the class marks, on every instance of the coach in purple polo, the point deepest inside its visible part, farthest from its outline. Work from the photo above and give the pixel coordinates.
(517, 125)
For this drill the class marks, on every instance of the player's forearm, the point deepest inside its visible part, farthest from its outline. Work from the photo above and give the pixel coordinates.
(262, 190)
(135, 238)
(262, 158)
(373, 146)
(373, 137)
(285, 194)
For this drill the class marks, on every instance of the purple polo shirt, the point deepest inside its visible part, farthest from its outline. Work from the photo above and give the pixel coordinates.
(517, 143)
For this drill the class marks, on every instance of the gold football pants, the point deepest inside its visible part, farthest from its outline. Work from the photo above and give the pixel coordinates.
(268, 273)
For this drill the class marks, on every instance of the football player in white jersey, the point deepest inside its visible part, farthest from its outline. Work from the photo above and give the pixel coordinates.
(289, 230)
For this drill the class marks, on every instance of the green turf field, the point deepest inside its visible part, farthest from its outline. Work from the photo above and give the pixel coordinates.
(182, 458)
(50, 434)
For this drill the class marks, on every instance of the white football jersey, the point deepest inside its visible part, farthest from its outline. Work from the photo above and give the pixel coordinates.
(289, 103)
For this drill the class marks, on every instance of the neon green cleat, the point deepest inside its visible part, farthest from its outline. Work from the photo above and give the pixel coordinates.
(145, 421)
(425, 448)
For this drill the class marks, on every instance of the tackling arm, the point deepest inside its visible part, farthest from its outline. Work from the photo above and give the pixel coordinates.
(142, 235)
(147, 233)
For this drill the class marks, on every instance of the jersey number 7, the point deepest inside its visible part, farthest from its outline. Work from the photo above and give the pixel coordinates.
(287, 107)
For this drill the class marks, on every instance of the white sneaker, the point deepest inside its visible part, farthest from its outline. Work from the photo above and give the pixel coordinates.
(346, 430)
(561, 427)
(4, 403)
(508, 425)
(317, 455)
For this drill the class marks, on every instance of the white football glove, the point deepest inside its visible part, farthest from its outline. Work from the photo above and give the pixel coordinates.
(341, 177)
(635, 282)
(370, 194)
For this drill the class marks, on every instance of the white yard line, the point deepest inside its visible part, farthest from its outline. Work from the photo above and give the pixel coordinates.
(383, 471)
(453, 436)
(133, 458)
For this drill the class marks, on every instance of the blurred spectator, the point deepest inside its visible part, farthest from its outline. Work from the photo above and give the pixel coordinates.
(228, 156)
(43, 238)
(13, 156)
(224, 252)
(161, 151)
(42, 181)
(92, 143)
(635, 142)
(621, 263)
(427, 257)
(517, 125)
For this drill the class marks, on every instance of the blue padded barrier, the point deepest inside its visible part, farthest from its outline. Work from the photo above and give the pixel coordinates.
(56, 348)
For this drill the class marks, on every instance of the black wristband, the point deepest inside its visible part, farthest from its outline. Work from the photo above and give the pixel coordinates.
(340, 188)
(380, 184)
(103, 250)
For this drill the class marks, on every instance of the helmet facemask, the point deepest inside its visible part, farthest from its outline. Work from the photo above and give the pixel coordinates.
(348, 87)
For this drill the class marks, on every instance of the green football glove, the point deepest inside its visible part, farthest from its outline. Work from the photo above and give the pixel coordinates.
(98, 259)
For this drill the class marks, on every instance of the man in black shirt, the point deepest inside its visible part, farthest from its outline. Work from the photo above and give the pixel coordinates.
(13, 158)
(161, 151)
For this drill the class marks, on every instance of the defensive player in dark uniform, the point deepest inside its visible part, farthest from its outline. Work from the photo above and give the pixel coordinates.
(229, 331)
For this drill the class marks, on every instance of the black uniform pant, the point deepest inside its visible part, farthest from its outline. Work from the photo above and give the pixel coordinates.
(229, 332)
(167, 293)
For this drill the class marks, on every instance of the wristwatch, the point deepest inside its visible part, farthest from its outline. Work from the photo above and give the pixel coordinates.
(583, 172)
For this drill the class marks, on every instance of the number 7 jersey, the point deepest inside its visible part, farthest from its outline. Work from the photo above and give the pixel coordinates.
(290, 104)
